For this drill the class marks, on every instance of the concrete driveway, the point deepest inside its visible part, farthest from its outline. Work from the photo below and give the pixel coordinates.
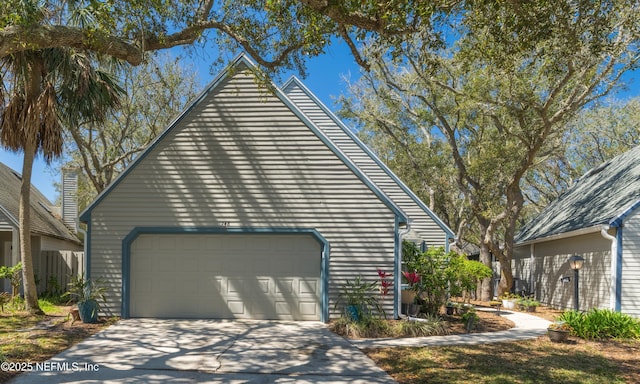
(210, 351)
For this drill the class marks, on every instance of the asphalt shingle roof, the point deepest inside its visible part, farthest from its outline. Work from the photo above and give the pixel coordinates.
(43, 221)
(599, 197)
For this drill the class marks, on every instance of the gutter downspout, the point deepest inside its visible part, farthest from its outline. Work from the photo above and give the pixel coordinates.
(614, 265)
(398, 266)
(84, 246)
(532, 254)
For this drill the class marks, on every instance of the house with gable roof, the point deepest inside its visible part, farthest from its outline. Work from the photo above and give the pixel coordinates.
(597, 218)
(52, 228)
(245, 207)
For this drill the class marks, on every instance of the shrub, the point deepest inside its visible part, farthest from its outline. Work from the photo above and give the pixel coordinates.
(362, 296)
(598, 324)
(470, 319)
(428, 326)
(441, 274)
(367, 327)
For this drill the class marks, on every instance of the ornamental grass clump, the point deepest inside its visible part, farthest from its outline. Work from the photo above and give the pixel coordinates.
(600, 324)
(427, 326)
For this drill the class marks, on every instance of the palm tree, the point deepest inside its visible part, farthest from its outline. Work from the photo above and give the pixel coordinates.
(41, 91)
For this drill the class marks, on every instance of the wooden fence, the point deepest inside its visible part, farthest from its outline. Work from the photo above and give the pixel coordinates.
(55, 270)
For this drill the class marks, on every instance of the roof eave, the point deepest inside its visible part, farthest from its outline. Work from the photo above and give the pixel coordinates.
(563, 235)
(9, 216)
(618, 220)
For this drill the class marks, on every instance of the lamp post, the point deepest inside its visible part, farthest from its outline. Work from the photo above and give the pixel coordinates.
(576, 262)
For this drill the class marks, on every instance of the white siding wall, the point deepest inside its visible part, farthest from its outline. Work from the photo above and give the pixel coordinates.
(423, 224)
(551, 264)
(630, 300)
(241, 158)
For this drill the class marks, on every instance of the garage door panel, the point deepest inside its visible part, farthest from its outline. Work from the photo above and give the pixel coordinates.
(308, 287)
(226, 276)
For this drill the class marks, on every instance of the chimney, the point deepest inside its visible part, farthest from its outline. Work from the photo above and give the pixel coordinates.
(70, 198)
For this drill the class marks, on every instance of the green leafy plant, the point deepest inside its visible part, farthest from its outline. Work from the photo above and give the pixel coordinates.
(87, 293)
(82, 290)
(509, 296)
(465, 274)
(14, 274)
(4, 299)
(526, 303)
(470, 319)
(442, 274)
(599, 324)
(359, 296)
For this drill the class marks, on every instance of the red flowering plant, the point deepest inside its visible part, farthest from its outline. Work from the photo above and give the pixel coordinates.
(385, 283)
(413, 278)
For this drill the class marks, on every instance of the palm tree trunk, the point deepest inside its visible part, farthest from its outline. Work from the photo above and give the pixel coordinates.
(30, 291)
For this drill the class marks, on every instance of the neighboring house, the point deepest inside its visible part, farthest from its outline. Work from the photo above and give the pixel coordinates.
(48, 229)
(599, 219)
(242, 208)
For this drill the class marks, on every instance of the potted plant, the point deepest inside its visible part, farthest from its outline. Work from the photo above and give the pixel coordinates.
(408, 296)
(450, 307)
(528, 304)
(509, 300)
(358, 298)
(86, 292)
(558, 332)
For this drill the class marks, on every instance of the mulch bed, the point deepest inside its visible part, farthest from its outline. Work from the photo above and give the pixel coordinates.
(489, 322)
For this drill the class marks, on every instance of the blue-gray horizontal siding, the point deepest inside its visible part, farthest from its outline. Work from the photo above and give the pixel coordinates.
(423, 224)
(630, 295)
(242, 159)
(550, 264)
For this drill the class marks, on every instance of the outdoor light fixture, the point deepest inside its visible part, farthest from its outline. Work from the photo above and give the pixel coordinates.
(576, 262)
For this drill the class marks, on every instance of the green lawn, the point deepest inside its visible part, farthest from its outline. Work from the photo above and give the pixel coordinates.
(534, 361)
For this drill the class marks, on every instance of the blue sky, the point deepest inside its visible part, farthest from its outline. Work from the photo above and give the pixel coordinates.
(324, 78)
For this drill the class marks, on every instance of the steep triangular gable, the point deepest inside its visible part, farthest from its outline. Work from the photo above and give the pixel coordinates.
(239, 64)
(365, 159)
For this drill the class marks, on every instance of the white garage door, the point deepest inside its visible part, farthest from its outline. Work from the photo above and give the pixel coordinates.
(248, 276)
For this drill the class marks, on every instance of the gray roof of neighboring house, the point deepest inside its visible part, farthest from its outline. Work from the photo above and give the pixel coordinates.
(43, 221)
(603, 196)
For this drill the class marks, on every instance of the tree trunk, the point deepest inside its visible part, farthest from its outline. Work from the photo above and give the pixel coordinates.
(484, 288)
(506, 280)
(29, 281)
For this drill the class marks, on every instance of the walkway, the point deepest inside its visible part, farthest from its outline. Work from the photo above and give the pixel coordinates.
(526, 327)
